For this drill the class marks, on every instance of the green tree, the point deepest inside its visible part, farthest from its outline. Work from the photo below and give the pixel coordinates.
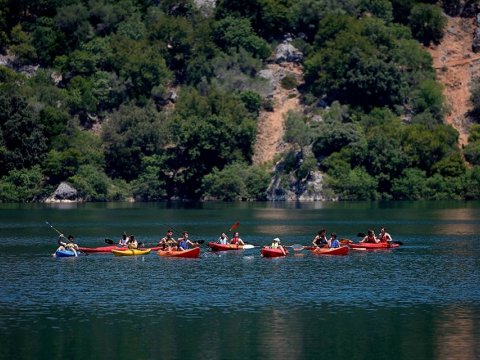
(412, 185)
(21, 185)
(425, 146)
(24, 143)
(355, 184)
(427, 23)
(237, 181)
(151, 185)
(351, 70)
(70, 150)
(237, 33)
(140, 67)
(48, 41)
(252, 101)
(380, 8)
(21, 46)
(472, 152)
(331, 138)
(428, 96)
(72, 20)
(297, 130)
(128, 136)
(269, 18)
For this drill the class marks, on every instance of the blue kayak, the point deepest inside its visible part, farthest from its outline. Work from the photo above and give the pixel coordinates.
(64, 253)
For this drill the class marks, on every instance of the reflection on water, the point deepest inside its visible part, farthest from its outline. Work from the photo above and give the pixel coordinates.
(458, 331)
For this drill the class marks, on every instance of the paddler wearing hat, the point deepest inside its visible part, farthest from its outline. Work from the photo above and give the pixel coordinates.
(276, 245)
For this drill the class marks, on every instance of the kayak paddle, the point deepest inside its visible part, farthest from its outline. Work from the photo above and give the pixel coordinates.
(295, 247)
(234, 226)
(59, 233)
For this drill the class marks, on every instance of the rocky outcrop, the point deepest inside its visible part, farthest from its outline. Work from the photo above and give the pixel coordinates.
(10, 62)
(290, 188)
(64, 193)
(286, 52)
(286, 186)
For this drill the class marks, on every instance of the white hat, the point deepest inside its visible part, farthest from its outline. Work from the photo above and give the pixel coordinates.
(276, 239)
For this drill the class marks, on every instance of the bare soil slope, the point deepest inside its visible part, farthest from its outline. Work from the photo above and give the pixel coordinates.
(456, 65)
(270, 128)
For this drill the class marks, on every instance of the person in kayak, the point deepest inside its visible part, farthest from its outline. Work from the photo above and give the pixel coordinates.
(370, 237)
(236, 239)
(333, 241)
(167, 240)
(69, 244)
(223, 239)
(124, 240)
(184, 242)
(132, 242)
(276, 245)
(384, 236)
(321, 239)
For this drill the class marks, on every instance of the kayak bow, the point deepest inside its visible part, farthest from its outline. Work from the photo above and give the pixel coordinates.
(190, 253)
(342, 250)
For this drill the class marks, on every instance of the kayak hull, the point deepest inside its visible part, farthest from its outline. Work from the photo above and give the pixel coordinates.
(270, 252)
(374, 246)
(190, 253)
(221, 247)
(342, 250)
(131, 252)
(102, 249)
(64, 253)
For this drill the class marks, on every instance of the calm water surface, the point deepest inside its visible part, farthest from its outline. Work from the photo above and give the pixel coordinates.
(421, 301)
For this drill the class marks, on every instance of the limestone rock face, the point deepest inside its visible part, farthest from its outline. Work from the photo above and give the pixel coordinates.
(286, 52)
(64, 193)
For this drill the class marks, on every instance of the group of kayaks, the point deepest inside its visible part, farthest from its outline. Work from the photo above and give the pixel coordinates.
(342, 250)
(125, 251)
(266, 251)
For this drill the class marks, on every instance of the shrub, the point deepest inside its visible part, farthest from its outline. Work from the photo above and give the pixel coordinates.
(427, 23)
(289, 82)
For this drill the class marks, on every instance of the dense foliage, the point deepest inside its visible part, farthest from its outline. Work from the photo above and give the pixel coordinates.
(159, 99)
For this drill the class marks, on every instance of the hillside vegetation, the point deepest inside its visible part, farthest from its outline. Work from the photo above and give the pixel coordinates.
(157, 100)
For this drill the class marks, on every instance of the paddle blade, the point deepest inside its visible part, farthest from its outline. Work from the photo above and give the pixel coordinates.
(109, 241)
(200, 242)
(397, 242)
(360, 234)
(296, 247)
(248, 246)
(234, 226)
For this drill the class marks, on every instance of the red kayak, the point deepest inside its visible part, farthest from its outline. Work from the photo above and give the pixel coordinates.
(225, 247)
(267, 251)
(342, 250)
(102, 249)
(109, 248)
(372, 246)
(190, 253)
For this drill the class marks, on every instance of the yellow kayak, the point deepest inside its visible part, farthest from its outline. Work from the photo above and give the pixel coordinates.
(131, 252)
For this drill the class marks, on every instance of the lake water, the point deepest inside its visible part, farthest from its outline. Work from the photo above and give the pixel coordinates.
(420, 301)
